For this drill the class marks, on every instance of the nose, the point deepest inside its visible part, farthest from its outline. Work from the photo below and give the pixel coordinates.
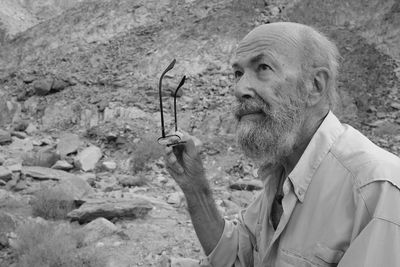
(244, 88)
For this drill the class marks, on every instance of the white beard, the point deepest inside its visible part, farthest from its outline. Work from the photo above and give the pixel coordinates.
(269, 139)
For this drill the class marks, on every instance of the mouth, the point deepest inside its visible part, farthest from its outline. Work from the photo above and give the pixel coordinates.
(248, 113)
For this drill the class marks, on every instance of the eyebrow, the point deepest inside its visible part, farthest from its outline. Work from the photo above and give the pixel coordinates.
(256, 59)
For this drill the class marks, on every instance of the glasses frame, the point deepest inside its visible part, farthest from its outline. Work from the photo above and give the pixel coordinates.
(172, 139)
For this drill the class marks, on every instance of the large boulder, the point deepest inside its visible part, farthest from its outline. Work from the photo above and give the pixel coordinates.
(5, 137)
(69, 143)
(43, 173)
(5, 174)
(88, 158)
(41, 158)
(75, 187)
(110, 208)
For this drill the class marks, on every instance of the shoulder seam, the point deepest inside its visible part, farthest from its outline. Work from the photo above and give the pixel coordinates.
(355, 183)
(386, 220)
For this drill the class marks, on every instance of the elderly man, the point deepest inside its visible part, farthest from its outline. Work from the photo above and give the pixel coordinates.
(331, 196)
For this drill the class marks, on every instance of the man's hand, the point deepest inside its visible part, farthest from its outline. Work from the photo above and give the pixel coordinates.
(184, 163)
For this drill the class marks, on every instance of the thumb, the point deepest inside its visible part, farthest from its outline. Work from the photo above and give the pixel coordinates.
(190, 147)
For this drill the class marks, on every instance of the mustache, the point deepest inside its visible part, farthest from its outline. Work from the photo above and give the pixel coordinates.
(250, 106)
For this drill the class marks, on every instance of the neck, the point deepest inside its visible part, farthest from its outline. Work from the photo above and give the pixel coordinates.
(310, 126)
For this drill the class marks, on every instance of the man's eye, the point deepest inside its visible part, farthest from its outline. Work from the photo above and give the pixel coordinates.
(263, 67)
(238, 74)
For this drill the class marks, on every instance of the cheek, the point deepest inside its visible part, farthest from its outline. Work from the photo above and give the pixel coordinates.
(270, 92)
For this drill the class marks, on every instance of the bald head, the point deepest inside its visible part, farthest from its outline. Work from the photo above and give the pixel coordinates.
(296, 46)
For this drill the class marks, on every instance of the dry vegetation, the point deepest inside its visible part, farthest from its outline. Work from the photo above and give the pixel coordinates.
(145, 152)
(57, 245)
(52, 203)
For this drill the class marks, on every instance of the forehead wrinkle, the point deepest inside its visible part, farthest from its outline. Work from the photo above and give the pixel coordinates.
(280, 41)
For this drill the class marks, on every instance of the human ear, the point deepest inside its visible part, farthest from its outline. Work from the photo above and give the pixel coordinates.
(319, 87)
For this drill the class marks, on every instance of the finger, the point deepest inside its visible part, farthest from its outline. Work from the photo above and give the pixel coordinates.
(190, 148)
(173, 163)
(168, 150)
(175, 169)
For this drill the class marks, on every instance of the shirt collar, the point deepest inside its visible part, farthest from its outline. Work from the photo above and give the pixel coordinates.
(322, 141)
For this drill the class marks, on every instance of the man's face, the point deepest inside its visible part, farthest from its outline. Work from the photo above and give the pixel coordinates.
(270, 110)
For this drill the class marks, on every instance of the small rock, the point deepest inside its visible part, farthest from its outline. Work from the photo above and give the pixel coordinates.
(31, 129)
(381, 115)
(175, 198)
(371, 109)
(5, 137)
(12, 183)
(109, 165)
(88, 158)
(21, 125)
(98, 229)
(42, 87)
(89, 177)
(21, 185)
(20, 135)
(28, 78)
(275, 11)
(45, 141)
(69, 143)
(13, 166)
(5, 174)
(111, 136)
(62, 165)
(102, 105)
(395, 105)
(58, 85)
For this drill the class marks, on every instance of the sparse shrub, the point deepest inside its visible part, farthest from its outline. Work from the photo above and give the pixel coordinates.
(52, 203)
(145, 151)
(40, 245)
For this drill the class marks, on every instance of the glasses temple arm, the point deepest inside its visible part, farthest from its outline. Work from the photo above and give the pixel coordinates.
(170, 66)
(175, 95)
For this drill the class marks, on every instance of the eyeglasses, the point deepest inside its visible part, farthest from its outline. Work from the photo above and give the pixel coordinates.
(173, 139)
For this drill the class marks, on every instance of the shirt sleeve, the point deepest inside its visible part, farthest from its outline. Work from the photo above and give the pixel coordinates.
(378, 243)
(237, 242)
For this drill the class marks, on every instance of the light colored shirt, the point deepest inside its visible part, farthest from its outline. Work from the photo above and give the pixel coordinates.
(341, 207)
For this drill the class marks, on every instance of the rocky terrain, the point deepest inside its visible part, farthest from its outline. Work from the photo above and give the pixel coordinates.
(79, 114)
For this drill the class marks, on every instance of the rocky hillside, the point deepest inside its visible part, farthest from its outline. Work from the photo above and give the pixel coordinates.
(20, 15)
(79, 112)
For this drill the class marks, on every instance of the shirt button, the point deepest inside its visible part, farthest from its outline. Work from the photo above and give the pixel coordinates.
(300, 192)
(285, 189)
